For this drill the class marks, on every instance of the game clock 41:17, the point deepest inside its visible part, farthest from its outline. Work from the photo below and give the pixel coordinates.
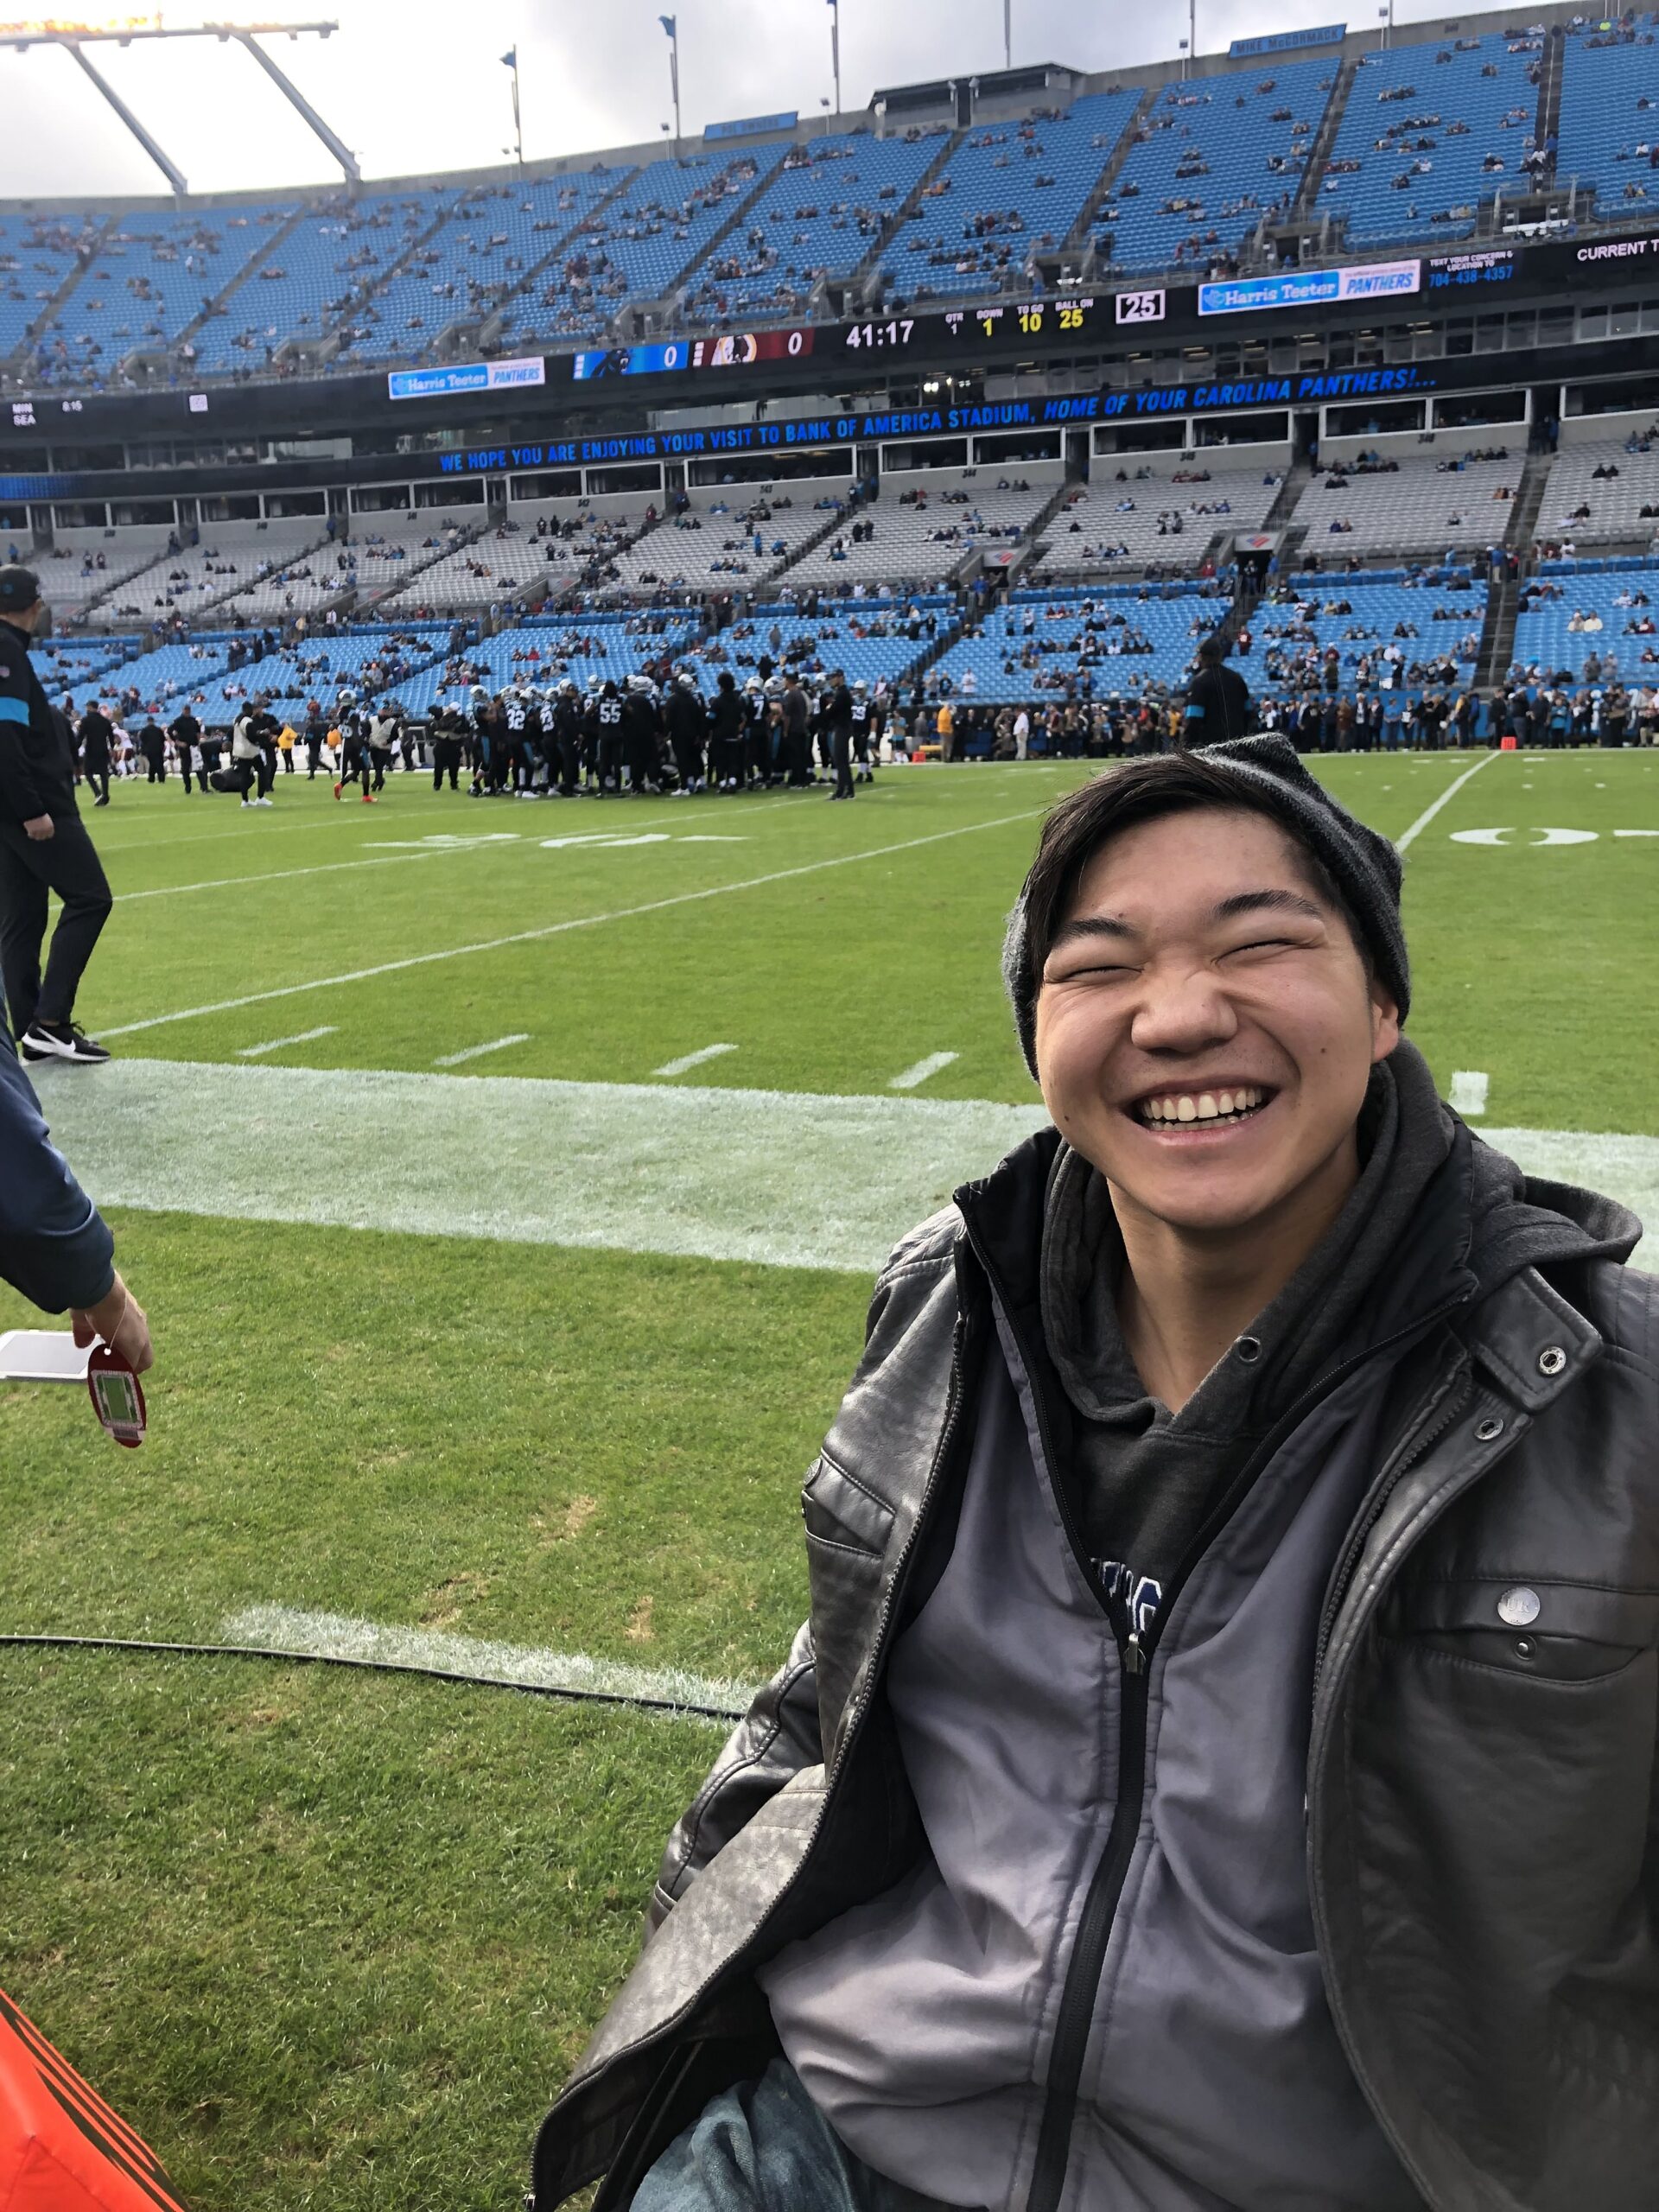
(875, 337)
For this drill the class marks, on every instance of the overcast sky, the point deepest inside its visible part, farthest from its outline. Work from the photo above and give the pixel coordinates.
(418, 85)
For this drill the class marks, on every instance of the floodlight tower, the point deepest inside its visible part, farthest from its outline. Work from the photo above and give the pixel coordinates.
(74, 40)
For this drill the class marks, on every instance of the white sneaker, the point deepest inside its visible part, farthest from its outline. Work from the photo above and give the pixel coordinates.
(264, 802)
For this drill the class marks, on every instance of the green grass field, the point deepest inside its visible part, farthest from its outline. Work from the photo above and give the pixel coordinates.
(533, 1349)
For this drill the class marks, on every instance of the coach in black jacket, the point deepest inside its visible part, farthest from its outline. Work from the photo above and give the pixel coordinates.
(43, 846)
(1218, 698)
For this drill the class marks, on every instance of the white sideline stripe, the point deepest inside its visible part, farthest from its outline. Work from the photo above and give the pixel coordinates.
(693, 1059)
(477, 1051)
(923, 1069)
(1469, 1088)
(280, 1044)
(558, 929)
(338, 1636)
(1401, 844)
(798, 1180)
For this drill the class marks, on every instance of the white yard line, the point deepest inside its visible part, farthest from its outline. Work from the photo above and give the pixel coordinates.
(340, 1636)
(558, 929)
(477, 1051)
(688, 1060)
(796, 1180)
(1402, 844)
(288, 874)
(923, 1069)
(281, 1044)
(1468, 1093)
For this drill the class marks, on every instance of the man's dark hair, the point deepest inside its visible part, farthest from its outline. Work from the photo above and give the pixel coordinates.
(1352, 868)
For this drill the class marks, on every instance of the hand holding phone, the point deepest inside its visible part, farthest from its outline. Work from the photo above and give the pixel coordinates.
(119, 1321)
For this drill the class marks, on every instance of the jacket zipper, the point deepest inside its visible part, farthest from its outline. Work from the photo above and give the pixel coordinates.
(1081, 1993)
(955, 1398)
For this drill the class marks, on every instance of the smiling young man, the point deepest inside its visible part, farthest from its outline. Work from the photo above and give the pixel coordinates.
(1217, 1773)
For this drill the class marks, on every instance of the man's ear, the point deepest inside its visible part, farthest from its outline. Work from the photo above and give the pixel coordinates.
(1385, 1023)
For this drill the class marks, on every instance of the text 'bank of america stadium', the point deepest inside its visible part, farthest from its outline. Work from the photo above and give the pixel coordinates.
(999, 394)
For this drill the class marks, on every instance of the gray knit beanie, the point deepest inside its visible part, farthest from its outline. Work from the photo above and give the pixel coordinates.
(1271, 780)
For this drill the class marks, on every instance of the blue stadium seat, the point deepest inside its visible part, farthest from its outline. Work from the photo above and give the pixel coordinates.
(1429, 132)
(1609, 114)
(316, 279)
(1010, 188)
(37, 254)
(150, 279)
(482, 251)
(820, 219)
(1211, 156)
(1029, 650)
(1545, 634)
(635, 247)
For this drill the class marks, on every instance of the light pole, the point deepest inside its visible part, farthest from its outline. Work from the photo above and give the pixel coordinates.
(1007, 34)
(835, 48)
(510, 60)
(672, 25)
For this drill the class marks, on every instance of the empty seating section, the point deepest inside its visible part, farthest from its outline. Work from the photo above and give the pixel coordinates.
(1596, 492)
(1134, 512)
(1370, 624)
(151, 277)
(388, 551)
(1211, 155)
(922, 539)
(578, 550)
(1594, 629)
(84, 564)
(1609, 114)
(1413, 506)
(37, 254)
(1101, 644)
(548, 651)
(735, 546)
(820, 218)
(230, 558)
(1429, 132)
(871, 641)
(638, 244)
(301, 586)
(1008, 190)
(483, 250)
(316, 279)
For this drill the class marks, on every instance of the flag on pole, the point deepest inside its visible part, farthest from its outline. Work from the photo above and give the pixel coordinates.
(510, 59)
(671, 24)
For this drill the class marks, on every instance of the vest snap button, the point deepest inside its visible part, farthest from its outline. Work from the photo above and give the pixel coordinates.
(1551, 1360)
(1249, 1350)
(1487, 1429)
(1519, 1608)
(1524, 1647)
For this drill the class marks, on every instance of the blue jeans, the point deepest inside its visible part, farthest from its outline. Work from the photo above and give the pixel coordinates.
(765, 2146)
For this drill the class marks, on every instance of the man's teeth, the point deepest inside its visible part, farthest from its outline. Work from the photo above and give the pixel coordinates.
(1202, 1105)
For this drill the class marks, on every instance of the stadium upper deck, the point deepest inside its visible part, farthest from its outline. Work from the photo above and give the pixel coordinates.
(1369, 151)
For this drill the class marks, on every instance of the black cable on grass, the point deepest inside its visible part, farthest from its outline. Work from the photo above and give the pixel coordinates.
(371, 1666)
